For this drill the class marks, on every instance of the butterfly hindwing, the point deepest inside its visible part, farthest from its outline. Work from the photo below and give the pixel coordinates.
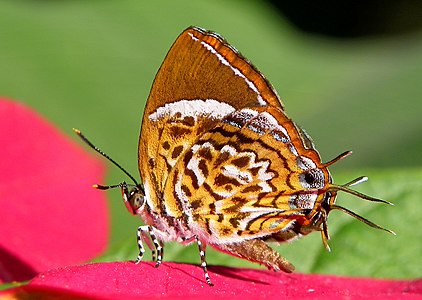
(244, 178)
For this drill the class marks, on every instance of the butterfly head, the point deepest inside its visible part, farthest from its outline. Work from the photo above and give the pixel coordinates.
(134, 198)
(133, 195)
(328, 203)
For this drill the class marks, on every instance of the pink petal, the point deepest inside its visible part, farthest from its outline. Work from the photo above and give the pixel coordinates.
(50, 216)
(172, 280)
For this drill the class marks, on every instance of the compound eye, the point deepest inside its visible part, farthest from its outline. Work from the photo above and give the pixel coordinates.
(134, 199)
(313, 178)
(309, 178)
(137, 201)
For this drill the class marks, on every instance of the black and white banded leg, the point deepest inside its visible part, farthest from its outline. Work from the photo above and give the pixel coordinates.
(140, 239)
(158, 247)
(201, 248)
(146, 234)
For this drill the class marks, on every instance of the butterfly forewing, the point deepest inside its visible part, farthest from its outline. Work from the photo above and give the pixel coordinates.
(202, 80)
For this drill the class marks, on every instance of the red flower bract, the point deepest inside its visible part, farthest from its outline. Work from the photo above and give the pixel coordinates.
(182, 281)
(50, 216)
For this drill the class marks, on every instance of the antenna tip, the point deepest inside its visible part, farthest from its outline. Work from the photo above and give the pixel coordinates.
(327, 247)
(392, 232)
(99, 187)
(77, 131)
(102, 187)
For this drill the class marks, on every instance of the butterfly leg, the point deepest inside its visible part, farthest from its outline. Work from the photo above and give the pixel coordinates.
(147, 234)
(158, 246)
(140, 237)
(201, 248)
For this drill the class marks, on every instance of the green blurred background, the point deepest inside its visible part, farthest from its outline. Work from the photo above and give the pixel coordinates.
(90, 65)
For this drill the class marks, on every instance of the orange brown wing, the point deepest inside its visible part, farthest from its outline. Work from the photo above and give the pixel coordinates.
(249, 177)
(202, 80)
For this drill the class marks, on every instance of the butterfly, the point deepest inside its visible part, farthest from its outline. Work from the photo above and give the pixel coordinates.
(222, 164)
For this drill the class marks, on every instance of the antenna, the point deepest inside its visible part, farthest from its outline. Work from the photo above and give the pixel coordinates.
(360, 218)
(85, 139)
(345, 188)
(336, 159)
